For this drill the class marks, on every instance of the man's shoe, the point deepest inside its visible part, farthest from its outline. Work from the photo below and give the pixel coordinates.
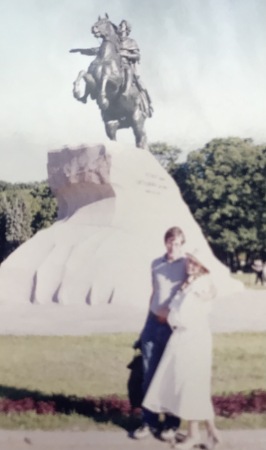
(168, 434)
(142, 432)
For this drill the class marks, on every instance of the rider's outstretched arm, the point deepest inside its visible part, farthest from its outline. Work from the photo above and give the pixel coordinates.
(85, 51)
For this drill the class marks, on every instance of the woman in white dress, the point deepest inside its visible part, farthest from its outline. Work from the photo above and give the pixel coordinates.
(182, 382)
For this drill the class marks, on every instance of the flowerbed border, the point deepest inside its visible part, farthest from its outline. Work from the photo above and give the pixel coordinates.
(226, 405)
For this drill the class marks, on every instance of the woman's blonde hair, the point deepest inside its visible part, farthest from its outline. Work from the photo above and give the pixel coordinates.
(202, 271)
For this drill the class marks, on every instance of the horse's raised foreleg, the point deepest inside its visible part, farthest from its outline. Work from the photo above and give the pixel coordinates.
(89, 85)
(76, 85)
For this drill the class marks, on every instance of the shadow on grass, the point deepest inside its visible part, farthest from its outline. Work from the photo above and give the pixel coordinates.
(111, 409)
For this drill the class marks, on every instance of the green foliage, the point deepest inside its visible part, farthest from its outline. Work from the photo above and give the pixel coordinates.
(249, 280)
(44, 207)
(5, 186)
(225, 186)
(18, 219)
(15, 220)
(25, 208)
(167, 155)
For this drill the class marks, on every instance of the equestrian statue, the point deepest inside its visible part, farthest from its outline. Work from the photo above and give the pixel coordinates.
(112, 80)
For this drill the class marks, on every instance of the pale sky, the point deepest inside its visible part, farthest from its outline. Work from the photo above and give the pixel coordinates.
(203, 62)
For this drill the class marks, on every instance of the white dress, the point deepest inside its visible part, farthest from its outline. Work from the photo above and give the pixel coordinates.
(181, 383)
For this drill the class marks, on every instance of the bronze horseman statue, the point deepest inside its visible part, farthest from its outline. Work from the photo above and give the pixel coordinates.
(112, 80)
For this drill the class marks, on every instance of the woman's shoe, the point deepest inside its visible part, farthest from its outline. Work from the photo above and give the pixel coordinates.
(214, 439)
(188, 443)
(168, 434)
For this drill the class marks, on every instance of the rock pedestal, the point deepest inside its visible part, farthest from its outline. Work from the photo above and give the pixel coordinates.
(115, 204)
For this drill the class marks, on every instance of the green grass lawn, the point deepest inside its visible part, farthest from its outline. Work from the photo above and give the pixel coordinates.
(96, 366)
(249, 280)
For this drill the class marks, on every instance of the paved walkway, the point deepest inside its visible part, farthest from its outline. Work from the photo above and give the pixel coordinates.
(115, 440)
(244, 311)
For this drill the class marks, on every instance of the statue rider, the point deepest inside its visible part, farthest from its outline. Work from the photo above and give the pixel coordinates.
(130, 55)
(129, 52)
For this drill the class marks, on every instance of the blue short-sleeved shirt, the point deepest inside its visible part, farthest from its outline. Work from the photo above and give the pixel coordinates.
(167, 279)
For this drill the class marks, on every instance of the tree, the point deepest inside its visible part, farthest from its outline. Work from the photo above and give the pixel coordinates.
(17, 221)
(44, 207)
(25, 208)
(224, 185)
(167, 155)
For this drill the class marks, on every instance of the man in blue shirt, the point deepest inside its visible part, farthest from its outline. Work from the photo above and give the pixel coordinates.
(168, 274)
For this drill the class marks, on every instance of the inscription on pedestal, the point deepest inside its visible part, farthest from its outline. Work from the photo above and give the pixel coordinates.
(153, 184)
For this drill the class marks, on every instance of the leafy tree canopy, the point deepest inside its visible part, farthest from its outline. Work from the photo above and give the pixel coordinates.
(224, 184)
(167, 155)
(25, 208)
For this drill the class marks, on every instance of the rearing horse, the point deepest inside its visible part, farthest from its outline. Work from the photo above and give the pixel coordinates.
(104, 82)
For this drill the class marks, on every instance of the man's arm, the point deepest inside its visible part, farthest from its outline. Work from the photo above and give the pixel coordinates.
(85, 51)
(133, 56)
(129, 49)
(163, 313)
(151, 297)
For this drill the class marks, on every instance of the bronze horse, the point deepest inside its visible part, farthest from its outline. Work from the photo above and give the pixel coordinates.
(104, 82)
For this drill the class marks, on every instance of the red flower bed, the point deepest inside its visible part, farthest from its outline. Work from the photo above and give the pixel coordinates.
(27, 404)
(234, 404)
(113, 406)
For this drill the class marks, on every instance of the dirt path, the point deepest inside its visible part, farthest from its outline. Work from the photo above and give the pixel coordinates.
(115, 440)
(245, 311)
